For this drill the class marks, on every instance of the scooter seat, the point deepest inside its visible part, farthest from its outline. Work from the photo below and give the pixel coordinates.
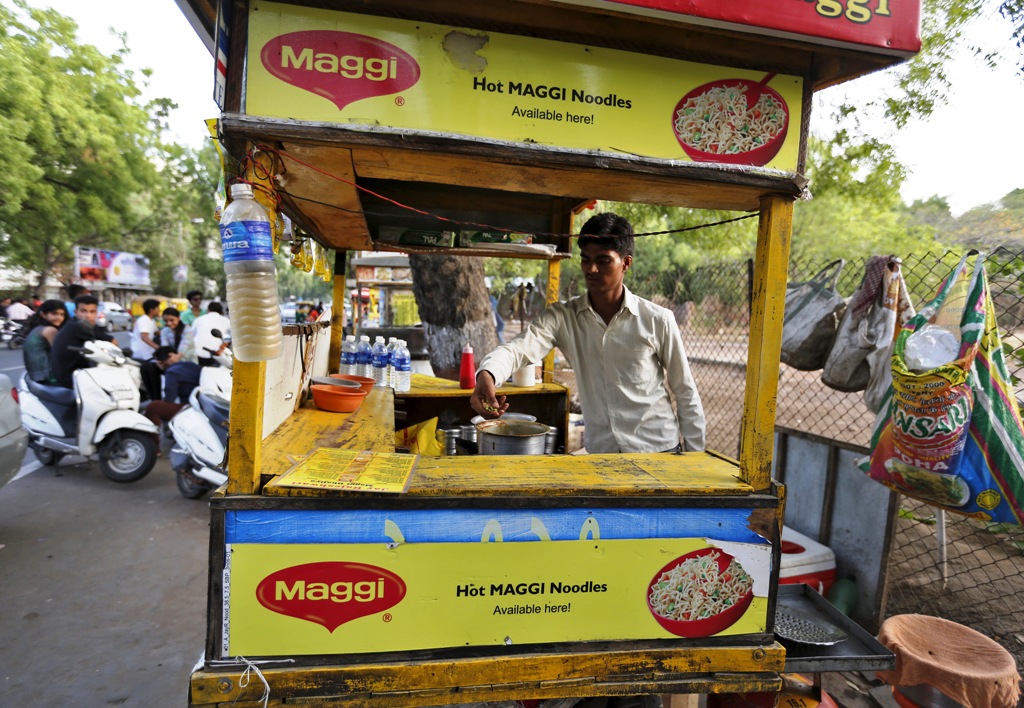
(53, 394)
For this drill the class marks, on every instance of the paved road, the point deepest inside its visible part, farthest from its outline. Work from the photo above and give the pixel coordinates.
(102, 585)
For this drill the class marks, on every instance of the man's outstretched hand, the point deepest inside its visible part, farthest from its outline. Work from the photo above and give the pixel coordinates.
(483, 400)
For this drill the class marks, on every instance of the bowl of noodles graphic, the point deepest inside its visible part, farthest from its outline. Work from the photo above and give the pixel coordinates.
(701, 593)
(714, 124)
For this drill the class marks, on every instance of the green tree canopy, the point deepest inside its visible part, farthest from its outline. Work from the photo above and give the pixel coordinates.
(75, 142)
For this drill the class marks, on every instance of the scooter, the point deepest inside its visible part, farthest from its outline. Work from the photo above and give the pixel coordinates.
(13, 334)
(99, 417)
(200, 430)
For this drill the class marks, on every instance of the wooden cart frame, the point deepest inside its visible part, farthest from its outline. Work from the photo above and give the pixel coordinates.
(537, 189)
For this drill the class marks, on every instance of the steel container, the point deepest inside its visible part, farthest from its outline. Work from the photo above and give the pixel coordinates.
(511, 437)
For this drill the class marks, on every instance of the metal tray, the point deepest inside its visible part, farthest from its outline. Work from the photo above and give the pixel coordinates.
(859, 651)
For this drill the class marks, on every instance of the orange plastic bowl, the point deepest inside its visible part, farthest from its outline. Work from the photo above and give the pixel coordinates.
(701, 627)
(337, 399)
(758, 156)
(364, 382)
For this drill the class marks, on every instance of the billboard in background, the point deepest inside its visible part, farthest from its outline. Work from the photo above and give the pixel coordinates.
(93, 265)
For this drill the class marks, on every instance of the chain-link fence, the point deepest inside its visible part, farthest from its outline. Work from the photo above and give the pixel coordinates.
(974, 575)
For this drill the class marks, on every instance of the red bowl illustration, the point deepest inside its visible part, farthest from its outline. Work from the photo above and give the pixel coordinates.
(757, 156)
(709, 625)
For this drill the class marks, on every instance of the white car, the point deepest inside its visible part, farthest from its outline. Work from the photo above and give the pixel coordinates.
(13, 437)
(113, 316)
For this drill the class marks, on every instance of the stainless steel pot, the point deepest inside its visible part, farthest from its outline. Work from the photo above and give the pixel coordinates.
(511, 437)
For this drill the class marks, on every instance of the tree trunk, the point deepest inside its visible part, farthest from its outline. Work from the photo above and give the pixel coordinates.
(455, 308)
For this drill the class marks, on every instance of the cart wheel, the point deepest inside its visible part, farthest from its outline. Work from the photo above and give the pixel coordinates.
(127, 456)
(189, 486)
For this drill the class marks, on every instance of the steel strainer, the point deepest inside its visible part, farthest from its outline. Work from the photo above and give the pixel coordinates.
(799, 626)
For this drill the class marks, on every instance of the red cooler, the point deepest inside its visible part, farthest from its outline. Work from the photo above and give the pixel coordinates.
(806, 561)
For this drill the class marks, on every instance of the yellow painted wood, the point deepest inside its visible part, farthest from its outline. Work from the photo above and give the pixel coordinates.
(775, 230)
(554, 283)
(557, 674)
(337, 319)
(370, 427)
(423, 386)
(697, 474)
(245, 427)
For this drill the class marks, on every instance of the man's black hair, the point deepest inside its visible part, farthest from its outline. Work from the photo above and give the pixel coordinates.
(163, 353)
(609, 231)
(75, 289)
(215, 307)
(87, 300)
(150, 304)
(193, 293)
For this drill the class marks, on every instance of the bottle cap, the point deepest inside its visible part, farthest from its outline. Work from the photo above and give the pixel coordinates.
(364, 338)
(240, 191)
(467, 349)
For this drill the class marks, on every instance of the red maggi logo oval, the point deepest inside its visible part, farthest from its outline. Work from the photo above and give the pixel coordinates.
(343, 67)
(330, 593)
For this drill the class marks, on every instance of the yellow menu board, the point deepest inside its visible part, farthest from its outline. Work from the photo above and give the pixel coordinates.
(351, 471)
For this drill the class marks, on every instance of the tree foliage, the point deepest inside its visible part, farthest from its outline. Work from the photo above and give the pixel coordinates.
(75, 142)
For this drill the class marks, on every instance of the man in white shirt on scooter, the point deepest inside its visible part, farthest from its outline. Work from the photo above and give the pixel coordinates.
(63, 362)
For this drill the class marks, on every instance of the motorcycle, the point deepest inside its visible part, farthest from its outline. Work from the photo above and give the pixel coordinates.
(200, 429)
(13, 333)
(98, 418)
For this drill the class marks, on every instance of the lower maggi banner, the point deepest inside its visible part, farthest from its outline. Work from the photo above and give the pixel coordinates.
(294, 599)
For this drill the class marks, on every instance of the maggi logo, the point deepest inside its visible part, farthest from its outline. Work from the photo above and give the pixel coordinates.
(330, 593)
(343, 67)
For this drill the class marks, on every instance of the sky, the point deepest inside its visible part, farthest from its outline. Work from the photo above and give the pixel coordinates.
(966, 151)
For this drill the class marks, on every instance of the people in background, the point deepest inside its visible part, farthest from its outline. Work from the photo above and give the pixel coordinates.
(42, 330)
(74, 290)
(18, 311)
(173, 331)
(144, 338)
(144, 342)
(499, 323)
(64, 361)
(195, 309)
(180, 378)
(206, 343)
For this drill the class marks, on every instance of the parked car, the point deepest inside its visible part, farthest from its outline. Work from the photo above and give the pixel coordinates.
(13, 437)
(113, 316)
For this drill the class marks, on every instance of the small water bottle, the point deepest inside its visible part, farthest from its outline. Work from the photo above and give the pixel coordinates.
(403, 368)
(389, 378)
(379, 358)
(348, 355)
(247, 243)
(364, 357)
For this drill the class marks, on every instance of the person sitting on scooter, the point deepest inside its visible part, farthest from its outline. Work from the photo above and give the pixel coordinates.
(42, 329)
(207, 344)
(63, 361)
(180, 377)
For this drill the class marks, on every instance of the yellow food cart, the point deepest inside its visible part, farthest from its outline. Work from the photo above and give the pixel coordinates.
(394, 126)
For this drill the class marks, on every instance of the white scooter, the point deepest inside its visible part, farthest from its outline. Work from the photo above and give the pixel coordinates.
(200, 430)
(100, 416)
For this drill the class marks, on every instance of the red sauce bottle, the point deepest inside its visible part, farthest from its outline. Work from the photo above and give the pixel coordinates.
(467, 369)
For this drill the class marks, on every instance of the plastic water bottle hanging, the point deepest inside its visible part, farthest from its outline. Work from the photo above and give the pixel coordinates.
(247, 243)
